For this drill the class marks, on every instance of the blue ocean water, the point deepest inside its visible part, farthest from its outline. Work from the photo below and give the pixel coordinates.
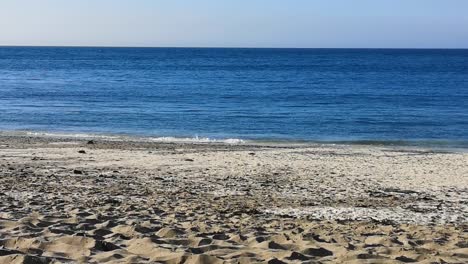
(392, 95)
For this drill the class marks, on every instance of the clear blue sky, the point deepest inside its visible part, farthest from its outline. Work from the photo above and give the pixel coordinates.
(236, 23)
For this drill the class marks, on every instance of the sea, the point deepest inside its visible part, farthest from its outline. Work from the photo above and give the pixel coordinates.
(373, 96)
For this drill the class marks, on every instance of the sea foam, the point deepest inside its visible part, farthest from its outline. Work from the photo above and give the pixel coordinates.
(195, 139)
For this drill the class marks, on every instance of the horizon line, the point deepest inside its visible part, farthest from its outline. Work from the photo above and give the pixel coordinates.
(218, 47)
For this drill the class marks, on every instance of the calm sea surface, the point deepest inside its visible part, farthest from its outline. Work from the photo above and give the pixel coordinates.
(264, 94)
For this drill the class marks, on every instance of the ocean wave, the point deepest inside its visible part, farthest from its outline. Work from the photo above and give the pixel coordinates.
(198, 140)
(195, 139)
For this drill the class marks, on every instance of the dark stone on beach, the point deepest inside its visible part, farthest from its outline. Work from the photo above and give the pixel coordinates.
(91, 142)
(318, 252)
(82, 152)
(298, 256)
(221, 237)
(369, 256)
(405, 259)
(351, 246)
(105, 246)
(274, 245)
(276, 261)
(188, 159)
(77, 172)
(5, 252)
(260, 239)
(112, 201)
(252, 154)
(196, 251)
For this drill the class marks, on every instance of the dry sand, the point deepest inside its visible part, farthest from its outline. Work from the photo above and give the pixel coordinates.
(66, 201)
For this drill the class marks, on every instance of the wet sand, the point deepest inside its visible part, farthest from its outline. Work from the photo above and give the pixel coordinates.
(63, 200)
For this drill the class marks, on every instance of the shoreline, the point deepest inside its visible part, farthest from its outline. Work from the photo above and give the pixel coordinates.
(428, 145)
(67, 199)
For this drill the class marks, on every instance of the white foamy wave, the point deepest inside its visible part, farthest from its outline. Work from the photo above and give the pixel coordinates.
(198, 140)
(133, 138)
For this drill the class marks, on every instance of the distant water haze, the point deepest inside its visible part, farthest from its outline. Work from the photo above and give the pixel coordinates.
(258, 94)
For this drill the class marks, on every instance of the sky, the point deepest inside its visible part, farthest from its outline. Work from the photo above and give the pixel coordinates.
(236, 23)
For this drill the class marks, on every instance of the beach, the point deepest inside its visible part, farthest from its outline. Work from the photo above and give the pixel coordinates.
(76, 200)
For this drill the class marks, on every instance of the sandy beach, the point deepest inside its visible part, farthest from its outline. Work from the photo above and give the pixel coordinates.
(68, 200)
